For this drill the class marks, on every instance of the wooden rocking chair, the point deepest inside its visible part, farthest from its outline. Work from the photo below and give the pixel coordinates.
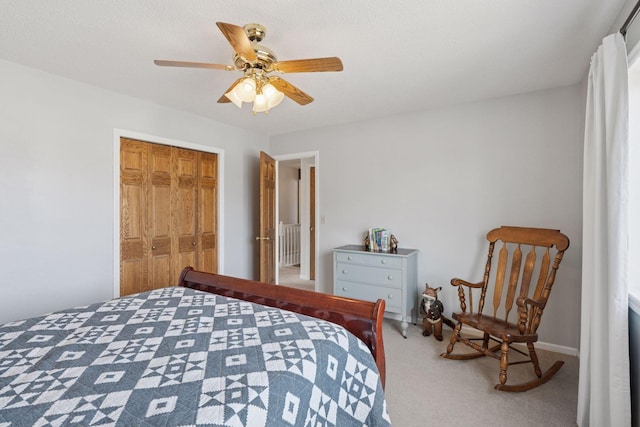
(496, 325)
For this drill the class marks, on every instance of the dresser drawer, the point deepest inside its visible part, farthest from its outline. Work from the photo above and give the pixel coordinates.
(369, 259)
(364, 274)
(391, 296)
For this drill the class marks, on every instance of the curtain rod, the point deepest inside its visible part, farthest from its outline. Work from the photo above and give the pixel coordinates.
(630, 19)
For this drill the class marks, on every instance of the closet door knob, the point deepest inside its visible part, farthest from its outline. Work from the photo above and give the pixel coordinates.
(153, 248)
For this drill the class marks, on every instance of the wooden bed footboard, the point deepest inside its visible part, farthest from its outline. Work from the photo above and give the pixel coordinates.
(361, 318)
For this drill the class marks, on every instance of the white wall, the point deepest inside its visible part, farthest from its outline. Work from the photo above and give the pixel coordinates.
(439, 180)
(57, 178)
(288, 195)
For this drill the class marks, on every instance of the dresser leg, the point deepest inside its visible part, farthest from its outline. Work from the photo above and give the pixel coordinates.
(404, 325)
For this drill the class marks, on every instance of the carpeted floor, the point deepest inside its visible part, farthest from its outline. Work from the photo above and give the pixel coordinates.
(290, 276)
(423, 389)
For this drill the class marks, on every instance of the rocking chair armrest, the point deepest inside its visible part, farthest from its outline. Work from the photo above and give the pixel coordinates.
(460, 282)
(526, 315)
(524, 302)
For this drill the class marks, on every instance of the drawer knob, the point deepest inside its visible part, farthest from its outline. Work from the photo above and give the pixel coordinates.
(349, 258)
(390, 296)
(344, 271)
(383, 261)
(345, 288)
(390, 277)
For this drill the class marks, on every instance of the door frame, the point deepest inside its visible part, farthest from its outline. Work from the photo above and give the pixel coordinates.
(315, 155)
(154, 139)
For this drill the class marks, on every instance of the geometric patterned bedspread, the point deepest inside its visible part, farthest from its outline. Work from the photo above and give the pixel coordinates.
(181, 357)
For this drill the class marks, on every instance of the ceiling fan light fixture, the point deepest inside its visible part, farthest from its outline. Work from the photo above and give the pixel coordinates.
(233, 97)
(260, 104)
(246, 90)
(256, 62)
(274, 96)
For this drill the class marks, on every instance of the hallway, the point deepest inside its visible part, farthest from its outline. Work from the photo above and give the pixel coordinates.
(290, 276)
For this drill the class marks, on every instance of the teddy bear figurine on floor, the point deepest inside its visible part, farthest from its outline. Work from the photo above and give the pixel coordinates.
(431, 309)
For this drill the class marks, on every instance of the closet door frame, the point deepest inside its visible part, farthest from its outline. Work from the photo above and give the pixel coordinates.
(123, 133)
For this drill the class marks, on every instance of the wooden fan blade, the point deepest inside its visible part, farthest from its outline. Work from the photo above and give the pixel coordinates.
(238, 40)
(309, 65)
(223, 99)
(164, 63)
(290, 90)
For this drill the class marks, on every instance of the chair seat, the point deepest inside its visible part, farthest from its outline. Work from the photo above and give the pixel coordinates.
(497, 328)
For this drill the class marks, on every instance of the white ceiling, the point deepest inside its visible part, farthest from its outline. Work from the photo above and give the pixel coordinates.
(398, 56)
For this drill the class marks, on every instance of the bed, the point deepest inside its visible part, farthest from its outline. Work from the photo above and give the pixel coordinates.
(214, 350)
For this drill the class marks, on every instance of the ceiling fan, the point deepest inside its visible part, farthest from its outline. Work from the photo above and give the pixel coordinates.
(257, 63)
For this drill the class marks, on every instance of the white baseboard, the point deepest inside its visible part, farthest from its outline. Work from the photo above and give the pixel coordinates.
(570, 351)
(541, 345)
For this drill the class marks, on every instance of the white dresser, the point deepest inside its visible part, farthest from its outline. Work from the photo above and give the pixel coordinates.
(365, 275)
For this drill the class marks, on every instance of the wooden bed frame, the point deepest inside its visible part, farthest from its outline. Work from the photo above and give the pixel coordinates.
(361, 318)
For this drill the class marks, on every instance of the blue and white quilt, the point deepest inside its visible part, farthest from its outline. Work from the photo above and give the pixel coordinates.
(181, 357)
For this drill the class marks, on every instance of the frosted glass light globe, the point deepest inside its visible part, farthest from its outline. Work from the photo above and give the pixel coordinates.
(233, 97)
(260, 104)
(246, 89)
(274, 96)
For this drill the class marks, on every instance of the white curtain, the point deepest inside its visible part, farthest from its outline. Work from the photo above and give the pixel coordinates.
(604, 390)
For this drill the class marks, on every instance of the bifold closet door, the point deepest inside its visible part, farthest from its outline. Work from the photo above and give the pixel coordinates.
(207, 209)
(159, 215)
(134, 271)
(168, 214)
(186, 210)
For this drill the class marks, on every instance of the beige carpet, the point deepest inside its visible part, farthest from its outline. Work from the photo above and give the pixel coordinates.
(423, 389)
(290, 276)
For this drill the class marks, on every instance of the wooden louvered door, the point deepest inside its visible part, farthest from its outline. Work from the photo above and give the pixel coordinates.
(168, 210)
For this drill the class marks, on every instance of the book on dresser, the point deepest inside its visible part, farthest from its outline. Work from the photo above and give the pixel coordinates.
(366, 275)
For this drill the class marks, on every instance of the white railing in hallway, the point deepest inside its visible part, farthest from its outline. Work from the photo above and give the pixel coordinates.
(289, 235)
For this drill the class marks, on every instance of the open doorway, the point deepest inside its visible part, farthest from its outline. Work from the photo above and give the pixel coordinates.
(296, 206)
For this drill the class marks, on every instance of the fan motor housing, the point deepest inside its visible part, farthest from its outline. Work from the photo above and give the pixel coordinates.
(266, 58)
